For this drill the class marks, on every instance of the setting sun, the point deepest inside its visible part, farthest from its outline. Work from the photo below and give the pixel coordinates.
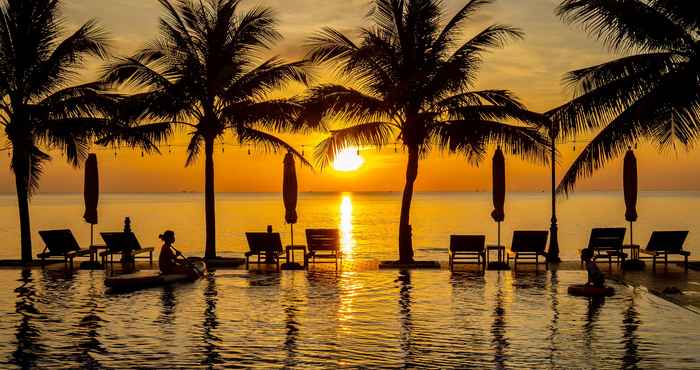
(348, 160)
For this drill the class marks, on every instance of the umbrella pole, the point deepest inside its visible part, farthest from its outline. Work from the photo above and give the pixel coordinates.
(499, 234)
(631, 234)
(92, 228)
(291, 232)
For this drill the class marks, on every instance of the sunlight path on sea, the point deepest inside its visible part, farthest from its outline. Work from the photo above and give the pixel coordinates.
(347, 241)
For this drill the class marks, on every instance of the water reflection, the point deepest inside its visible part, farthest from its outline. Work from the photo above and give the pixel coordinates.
(290, 305)
(498, 329)
(322, 319)
(592, 313)
(347, 242)
(211, 340)
(405, 302)
(469, 291)
(554, 325)
(166, 319)
(28, 347)
(90, 324)
(631, 321)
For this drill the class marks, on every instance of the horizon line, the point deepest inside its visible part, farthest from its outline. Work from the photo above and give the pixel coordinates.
(365, 192)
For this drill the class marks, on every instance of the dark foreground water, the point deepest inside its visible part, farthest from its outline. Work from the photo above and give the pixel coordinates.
(391, 319)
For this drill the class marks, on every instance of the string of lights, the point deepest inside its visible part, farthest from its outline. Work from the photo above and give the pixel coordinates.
(250, 148)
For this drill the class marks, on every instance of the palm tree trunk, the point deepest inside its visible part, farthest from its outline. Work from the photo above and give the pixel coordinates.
(209, 203)
(22, 185)
(405, 231)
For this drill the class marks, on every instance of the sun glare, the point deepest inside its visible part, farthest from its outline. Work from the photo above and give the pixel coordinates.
(348, 160)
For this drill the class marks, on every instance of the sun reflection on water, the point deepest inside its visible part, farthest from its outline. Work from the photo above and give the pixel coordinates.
(347, 241)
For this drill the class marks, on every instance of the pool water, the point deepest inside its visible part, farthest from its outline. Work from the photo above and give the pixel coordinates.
(323, 319)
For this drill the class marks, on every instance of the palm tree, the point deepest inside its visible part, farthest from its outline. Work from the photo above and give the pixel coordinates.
(651, 93)
(416, 83)
(40, 110)
(201, 74)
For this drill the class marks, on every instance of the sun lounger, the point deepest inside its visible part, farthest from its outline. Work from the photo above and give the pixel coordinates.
(528, 245)
(323, 244)
(663, 243)
(120, 242)
(61, 243)
(267, 247)
(607, 243)
(466, 249)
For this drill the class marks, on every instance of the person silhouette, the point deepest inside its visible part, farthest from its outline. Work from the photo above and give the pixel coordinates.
(596, 278)
(167, 260)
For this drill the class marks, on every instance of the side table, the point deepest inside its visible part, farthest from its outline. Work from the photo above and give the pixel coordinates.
(501, 249)
(289, 251)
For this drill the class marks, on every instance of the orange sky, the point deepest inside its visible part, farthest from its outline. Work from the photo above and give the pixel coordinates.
(531, 68)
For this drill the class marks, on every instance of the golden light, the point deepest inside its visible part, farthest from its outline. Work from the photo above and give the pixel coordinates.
(348, 160)
(347, 242)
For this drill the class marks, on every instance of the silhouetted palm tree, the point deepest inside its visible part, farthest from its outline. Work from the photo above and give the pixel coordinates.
(201, 73)
(652, 93)
(40, 110)
(415, 84)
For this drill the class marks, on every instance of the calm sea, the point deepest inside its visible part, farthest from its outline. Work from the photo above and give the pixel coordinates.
(368, 221)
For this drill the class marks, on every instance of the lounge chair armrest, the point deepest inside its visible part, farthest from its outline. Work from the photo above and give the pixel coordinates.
(45, 255)
(142, 250)
(684, 253)
(81, 252)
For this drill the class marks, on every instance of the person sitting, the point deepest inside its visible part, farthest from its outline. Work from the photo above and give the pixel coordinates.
(595, 276)
(167, 260)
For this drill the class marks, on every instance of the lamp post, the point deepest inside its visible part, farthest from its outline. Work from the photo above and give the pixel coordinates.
(553, 253)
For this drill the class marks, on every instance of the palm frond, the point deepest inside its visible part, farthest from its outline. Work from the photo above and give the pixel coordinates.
(63, 63)
(473, 137)
(668, 113)
(375, 134)
(28, 163)
(263, 79)
(276, 114)
(452, 29)
(134, 73)
(146, 136)
(458, 72)
(269, 142)
(608, 89)
(342, 103)
(193, 148)
(627, 25)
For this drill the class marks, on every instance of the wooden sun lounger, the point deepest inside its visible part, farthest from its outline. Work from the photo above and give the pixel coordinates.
(264, 245)
(465, 249)
(61, 243)
(528, 245)
(607, 242)
(119, 242)
(663, 243)
(323, 244)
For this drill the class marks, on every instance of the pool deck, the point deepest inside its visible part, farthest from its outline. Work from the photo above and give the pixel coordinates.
(671, 283)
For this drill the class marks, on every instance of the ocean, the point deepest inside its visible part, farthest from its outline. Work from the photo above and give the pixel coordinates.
(368, 221)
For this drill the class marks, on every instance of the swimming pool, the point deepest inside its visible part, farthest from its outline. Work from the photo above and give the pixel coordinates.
(297, 319)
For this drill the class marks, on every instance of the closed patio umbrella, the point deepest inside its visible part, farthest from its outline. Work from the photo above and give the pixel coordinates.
(630, 188)
(289, 193)
(91, 193)
(499, 189)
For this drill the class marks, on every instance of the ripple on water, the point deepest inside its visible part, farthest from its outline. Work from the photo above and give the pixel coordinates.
(425, 319)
